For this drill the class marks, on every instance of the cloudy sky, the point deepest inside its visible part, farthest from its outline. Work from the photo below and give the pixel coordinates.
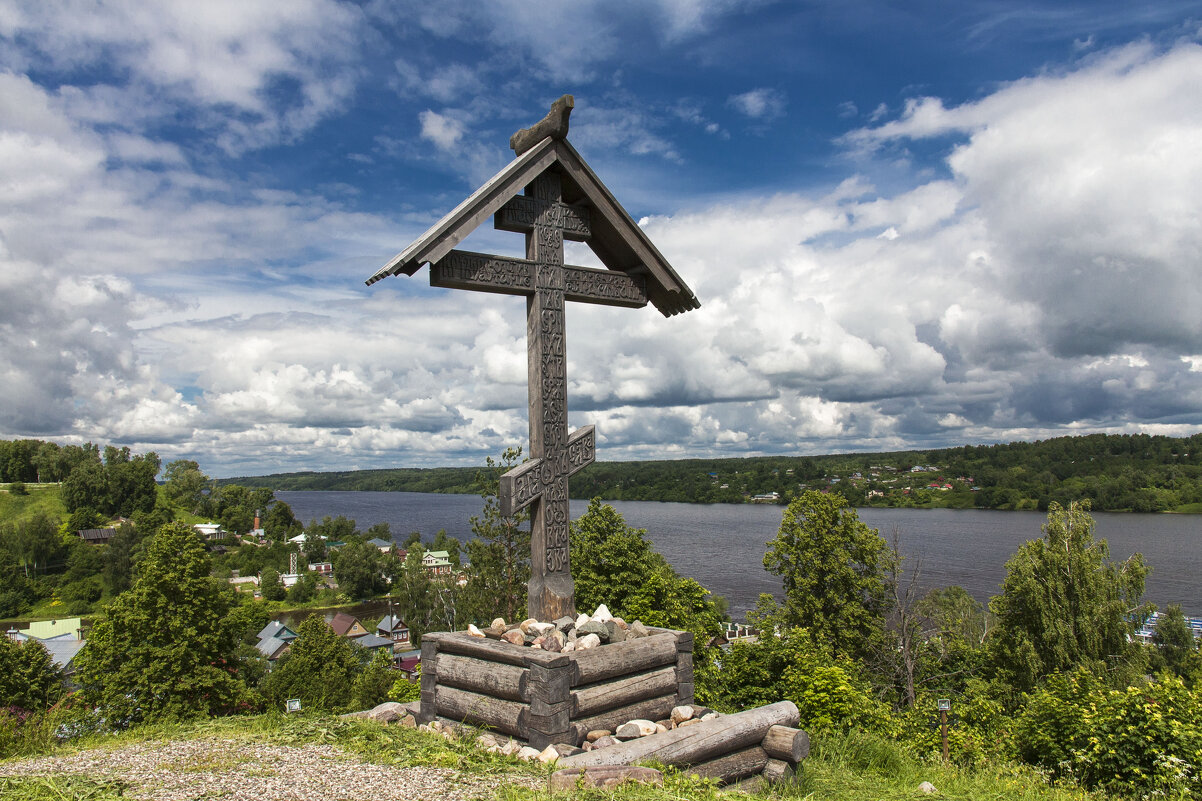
(910, 224)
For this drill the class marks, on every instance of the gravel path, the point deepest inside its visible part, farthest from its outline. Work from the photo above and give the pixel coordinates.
(181, 770)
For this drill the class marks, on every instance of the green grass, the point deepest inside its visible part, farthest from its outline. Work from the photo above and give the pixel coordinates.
(40, 498)
(1189, 509)
(59, 788)
(852, 767)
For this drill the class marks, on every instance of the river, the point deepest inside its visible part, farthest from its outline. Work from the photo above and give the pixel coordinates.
(722, 545)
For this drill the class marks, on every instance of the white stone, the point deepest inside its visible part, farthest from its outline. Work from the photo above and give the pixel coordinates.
(511, 748)
(711, 716)
(568, 647)
(586, 642)
(548, 755)
(636, 728)
(602, 614)
(473, 631)
(498, 623)
(582, 619)
(542, 629)
(526, 624)
(927, 787)
(527, 753)
(681, 714)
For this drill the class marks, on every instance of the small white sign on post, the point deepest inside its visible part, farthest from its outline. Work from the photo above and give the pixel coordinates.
(293, 705)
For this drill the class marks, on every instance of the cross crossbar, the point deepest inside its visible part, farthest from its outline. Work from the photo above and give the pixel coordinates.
(524, 484)
(463, 269)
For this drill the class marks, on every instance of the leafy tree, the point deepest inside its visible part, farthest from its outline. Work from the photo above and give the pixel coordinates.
(320, 669)
(828, 690)
(334, 529)
(131, 483)
(614, 564)
(833, 569)
(1064, 604)
(184, 484)
(279, 523)
(160, 650)
(500, 552)
(304, 590)
(270, 585)
(372, 685)
(414, 593)
(33, 541)
(117, 571)
(360, 570)
(1176, 650)
(445, 542)
(86, 488)
(28, 677)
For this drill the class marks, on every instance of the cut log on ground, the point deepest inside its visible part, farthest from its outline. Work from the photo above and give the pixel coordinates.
(787, 744)
(733, 766)
(777, 770)
(604, 776)
(691, 745)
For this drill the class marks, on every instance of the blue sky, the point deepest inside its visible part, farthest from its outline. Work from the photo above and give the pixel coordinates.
(909, 224)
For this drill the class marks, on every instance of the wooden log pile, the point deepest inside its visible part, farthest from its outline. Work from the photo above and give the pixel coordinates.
(762, 742)
(545, 697)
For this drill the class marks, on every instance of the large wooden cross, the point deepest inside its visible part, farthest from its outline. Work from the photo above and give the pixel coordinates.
(560, 198)
(547, 282)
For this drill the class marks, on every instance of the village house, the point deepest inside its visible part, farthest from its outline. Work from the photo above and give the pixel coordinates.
(210, 531)
(274, 640)
(63, 640)
(345, 625)
(96, 536)
(392, 627)
(384, 546)
(437, 563)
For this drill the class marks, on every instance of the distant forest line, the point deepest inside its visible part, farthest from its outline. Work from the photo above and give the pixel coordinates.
(1115, 472)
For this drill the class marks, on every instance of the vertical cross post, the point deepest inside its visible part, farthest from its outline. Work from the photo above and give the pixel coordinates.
(551, 591)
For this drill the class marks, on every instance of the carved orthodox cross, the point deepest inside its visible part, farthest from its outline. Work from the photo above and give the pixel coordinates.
(546, 282)
(562, 199)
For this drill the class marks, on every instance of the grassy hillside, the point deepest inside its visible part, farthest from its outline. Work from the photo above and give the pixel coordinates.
(853, 767)
(39, 498)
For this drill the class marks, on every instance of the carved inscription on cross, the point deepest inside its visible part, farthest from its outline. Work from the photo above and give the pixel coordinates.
(547, 282)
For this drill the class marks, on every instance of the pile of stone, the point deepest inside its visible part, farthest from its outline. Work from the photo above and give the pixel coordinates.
(566, 634)
(684, 715)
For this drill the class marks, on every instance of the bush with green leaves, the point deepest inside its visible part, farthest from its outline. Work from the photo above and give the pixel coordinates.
(29, 679)
(320, 669)
(829, 691)
(1142, 740)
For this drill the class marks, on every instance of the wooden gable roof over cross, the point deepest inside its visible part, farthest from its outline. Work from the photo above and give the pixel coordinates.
(612, 234)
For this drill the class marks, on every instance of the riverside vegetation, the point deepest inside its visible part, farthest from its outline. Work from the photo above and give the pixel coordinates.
(1052, 697)
(1114, 472)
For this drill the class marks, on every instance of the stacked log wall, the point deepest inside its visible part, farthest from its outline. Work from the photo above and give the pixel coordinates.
(546, 698)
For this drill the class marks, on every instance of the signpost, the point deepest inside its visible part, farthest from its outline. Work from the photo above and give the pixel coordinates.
(945, 706)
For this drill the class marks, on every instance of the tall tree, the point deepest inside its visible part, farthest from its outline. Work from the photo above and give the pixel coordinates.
(1176, 649)
(160, 650)
(833, 568)
(500, 553)
(320, 669)
(1064, 604)
(184, 484)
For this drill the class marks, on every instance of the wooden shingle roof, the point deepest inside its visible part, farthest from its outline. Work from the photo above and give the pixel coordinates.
(616, 238)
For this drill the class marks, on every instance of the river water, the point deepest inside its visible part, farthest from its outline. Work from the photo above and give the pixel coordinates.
(722, 545)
